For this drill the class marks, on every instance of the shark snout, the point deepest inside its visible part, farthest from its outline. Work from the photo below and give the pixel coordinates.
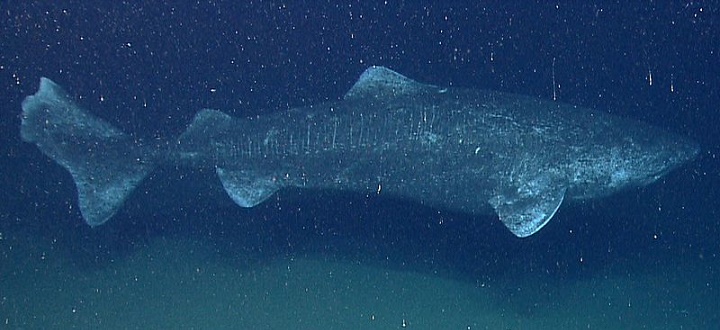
(672, 152)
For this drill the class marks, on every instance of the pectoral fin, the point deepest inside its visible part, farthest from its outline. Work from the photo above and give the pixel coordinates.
(523, 212)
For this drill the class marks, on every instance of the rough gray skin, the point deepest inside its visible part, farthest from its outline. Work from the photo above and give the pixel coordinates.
(468, 150)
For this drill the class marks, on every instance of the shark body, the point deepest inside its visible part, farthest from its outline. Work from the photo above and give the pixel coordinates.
(468, 150)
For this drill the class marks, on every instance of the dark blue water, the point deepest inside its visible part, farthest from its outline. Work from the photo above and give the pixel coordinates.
(148, 68)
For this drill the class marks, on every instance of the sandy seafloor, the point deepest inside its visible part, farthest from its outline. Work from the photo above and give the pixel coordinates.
(176, 280)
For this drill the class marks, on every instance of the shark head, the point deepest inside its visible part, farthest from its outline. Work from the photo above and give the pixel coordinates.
(640, 157)
(657, 155)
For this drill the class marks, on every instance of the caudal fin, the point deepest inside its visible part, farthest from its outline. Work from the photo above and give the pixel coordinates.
(105, 163)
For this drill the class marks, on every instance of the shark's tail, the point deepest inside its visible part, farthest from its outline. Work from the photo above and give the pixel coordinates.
(105, 162)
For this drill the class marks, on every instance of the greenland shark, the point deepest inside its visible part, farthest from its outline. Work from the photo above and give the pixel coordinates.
(473, 151)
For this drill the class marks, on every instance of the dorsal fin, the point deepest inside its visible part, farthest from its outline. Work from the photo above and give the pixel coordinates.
(378, 81)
